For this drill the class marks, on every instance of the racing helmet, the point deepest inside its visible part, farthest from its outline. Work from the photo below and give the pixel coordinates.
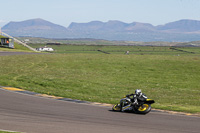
(138, 91)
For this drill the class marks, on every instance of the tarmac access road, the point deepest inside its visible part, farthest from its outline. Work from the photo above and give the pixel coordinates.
(7, 53)
(33, 114)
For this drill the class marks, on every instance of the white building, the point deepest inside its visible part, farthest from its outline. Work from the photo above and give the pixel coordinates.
(45, 49)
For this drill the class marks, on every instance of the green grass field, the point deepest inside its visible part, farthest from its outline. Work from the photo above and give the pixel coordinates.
(140, 50)
(171, 80)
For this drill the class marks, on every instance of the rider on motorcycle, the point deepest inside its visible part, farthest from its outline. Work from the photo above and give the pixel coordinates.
(137, 96)
(137, 102)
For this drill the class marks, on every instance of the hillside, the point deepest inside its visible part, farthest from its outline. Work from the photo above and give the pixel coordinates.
(181, 26)
(178, 31)
(34, 27)
(111, 26)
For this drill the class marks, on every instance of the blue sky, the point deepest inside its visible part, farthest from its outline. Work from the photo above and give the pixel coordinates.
(63, 12)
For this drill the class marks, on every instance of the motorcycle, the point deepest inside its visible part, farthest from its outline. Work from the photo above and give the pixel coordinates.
(141, 105)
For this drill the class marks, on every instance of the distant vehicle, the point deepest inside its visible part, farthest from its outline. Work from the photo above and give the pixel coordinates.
(48, 49)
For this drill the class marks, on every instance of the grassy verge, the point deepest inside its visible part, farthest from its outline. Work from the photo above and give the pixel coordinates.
(18, 48)
(21, 47)
(7, 132)
(172, 81)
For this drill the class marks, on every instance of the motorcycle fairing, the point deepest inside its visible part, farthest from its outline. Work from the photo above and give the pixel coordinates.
(128, 107)
(150, 101)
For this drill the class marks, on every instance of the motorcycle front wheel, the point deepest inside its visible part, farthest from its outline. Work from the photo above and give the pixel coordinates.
(144, 109)
(116, 107)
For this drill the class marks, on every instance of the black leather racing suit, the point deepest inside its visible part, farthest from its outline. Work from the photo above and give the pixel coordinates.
(136, 98)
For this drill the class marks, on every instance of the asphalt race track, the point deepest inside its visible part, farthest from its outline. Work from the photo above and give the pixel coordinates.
(33, 114)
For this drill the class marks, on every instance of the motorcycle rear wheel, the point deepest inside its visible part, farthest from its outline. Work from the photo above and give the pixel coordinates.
(144, 109)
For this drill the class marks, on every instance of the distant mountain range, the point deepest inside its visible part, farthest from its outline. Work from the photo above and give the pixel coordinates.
(179, 31)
